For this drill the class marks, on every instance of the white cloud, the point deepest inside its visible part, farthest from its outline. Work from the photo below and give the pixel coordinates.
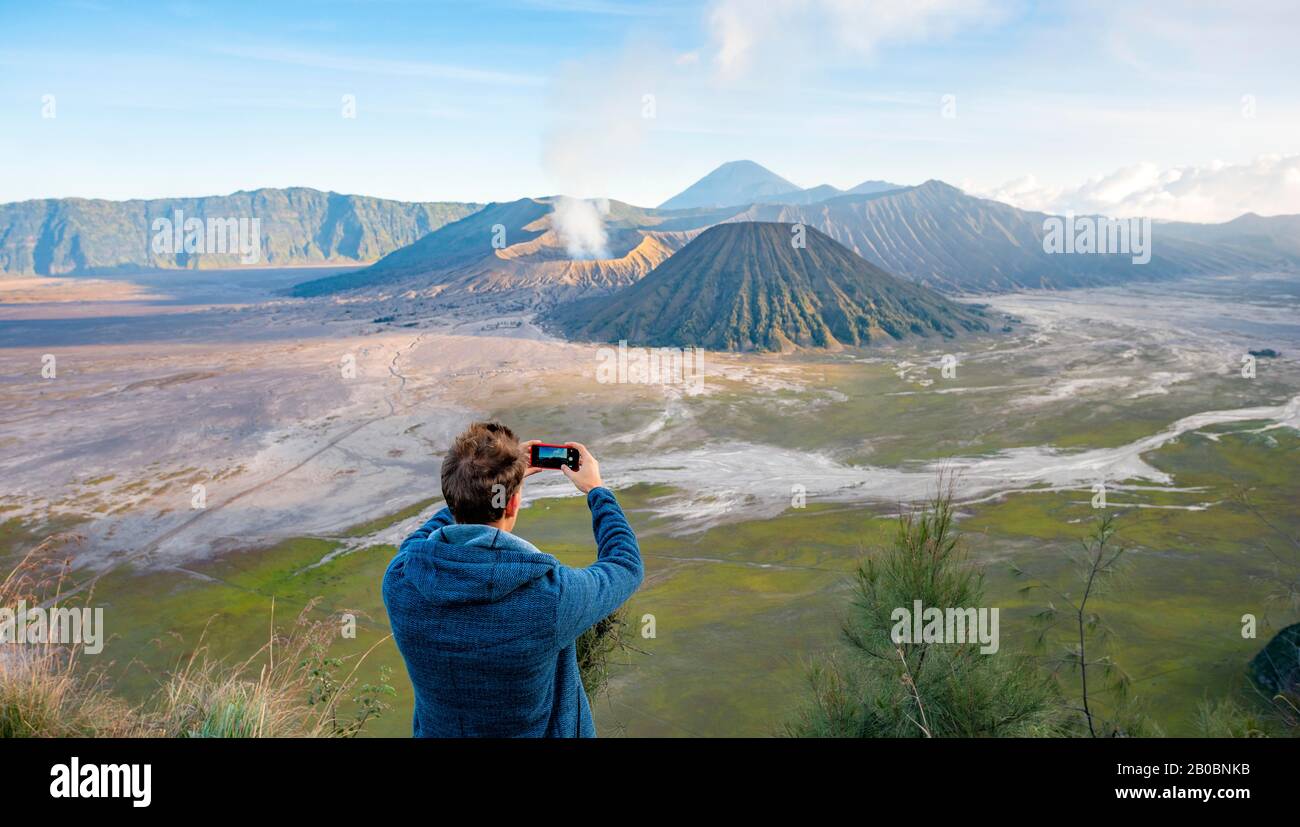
(1269, 185)
(780, 34)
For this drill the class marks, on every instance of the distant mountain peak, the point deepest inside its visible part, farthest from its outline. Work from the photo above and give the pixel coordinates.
(740, 183)
(873, 186)
(732, 183)
(940, 186)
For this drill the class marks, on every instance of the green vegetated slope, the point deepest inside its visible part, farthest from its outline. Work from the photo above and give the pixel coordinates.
(78, 236)
(750, 286)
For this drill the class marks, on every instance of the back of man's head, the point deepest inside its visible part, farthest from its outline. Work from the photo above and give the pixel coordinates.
(481, 472)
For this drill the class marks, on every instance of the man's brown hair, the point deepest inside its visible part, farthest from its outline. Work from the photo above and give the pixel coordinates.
(481, 472)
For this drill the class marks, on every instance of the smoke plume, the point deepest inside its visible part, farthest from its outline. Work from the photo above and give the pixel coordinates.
(580, 224)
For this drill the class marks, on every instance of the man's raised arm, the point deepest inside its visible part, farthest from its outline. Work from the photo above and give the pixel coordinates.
(589, 594)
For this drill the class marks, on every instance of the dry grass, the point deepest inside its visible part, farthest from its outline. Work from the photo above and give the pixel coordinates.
(291, 687)
(288, 689)
(43, 691)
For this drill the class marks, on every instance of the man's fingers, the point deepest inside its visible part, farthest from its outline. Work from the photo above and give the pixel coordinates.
(582, 449)
(526, 446)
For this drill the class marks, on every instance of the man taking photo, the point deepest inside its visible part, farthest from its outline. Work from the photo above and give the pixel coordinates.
(486, 622)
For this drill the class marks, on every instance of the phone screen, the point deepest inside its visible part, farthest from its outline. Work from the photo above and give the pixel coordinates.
(552, 452)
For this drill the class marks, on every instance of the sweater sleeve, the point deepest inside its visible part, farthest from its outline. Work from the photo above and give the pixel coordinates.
(437, 521)
(589, 594)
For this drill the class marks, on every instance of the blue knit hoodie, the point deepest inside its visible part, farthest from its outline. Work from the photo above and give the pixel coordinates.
(487, 624)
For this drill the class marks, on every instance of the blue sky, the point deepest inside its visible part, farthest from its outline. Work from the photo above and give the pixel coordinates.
(1054, 104)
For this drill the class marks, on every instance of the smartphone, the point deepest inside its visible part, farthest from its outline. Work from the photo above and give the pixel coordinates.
(553, 456)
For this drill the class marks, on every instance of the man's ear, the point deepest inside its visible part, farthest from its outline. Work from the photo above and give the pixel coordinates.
(516, 499)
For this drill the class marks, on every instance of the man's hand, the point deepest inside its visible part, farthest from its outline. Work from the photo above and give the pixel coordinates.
(527, 448)
(587, 476)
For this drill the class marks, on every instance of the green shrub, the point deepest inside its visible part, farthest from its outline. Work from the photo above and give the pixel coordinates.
(883, 689)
